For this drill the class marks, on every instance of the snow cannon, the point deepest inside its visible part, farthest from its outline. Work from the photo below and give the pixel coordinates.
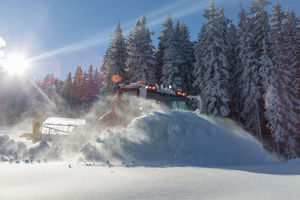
(129, 103)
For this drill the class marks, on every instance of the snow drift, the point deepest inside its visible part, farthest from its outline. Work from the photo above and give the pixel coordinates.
(13, 151)
(176, 138)
(173, 138)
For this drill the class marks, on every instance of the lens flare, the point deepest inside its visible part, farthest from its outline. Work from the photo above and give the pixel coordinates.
(116, 78)
(15, 64)
(267, 97)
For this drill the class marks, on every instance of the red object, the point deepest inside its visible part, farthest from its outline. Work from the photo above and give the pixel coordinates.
(116, 78)
(111, 119)
(180, 93)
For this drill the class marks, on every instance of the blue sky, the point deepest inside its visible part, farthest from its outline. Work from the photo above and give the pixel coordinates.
(62, 34)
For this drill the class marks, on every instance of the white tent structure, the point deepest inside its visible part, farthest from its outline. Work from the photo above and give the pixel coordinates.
(63, 126)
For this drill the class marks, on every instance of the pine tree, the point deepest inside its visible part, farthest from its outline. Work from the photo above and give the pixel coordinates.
(67, 85)
(234, 71)
(241, 81)
(215, 72)
(296, 80)
(290, 79)
(97, 80)
(49, 79)
(85, 86)
(187, 51)
(115, 59)
(140, 64)
(164, 38)
(102, 75)
(91, 89)
(173, 69)
(199, 68)
(255, 69)
(78, 84)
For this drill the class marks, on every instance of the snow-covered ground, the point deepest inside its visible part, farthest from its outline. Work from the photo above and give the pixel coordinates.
(58, 181)
(161, 155)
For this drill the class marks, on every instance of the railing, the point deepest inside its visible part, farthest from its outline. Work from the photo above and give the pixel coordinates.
(47, 125)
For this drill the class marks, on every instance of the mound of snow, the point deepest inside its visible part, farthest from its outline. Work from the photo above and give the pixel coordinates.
(177, 139)
(10, 150)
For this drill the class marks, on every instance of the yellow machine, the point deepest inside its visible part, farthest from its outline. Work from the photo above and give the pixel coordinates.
(35, 136)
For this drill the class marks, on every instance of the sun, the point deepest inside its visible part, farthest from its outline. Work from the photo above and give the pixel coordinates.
(15, 64)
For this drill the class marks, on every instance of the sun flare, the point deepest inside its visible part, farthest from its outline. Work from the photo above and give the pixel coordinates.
(15, 64)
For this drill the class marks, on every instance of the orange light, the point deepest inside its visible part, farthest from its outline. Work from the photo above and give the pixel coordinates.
(116, 78)
(140, 82)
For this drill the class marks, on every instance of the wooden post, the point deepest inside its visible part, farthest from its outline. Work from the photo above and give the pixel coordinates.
(36, 125)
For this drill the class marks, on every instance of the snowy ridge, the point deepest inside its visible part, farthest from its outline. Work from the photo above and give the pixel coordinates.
(176, 139)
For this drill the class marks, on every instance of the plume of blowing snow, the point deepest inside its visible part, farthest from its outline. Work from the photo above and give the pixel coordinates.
(176, 138)
(157, 138)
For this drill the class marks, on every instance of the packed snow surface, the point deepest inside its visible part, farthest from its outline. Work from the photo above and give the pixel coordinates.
(174, 138)
(59, 181)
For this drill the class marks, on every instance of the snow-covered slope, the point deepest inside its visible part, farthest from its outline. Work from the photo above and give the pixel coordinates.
(190, 157)
(177, 138)
(58, 181)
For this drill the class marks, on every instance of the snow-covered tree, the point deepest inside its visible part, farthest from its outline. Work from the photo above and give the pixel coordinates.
(174, 69)
(296, 80)
(235, 70)
(115, 59)
(292, 66)
(187, 51)
(164, 40)
(140, 64)
(238, 82)
(255, 68)
(215, 72)
(281, 98)
(199, 68)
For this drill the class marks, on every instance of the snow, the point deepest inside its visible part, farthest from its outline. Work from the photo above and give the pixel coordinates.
(58, 181)
(177, 138)
(169, 138)
(171, 155)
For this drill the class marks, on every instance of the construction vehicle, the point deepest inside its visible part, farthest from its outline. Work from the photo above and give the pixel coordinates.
(128, 102)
